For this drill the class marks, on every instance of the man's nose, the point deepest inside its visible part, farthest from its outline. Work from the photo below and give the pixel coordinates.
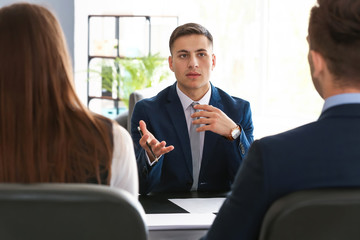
(193, 62)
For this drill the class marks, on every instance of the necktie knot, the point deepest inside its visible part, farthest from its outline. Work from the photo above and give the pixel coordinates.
(193, 104)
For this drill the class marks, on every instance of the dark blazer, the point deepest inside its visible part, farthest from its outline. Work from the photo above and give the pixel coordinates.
(322, 154)
(165, 119)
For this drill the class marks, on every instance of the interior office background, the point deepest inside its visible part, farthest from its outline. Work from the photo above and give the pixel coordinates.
(260, 46)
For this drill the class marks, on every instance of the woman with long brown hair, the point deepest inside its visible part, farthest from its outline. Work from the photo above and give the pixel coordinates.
(46, 134)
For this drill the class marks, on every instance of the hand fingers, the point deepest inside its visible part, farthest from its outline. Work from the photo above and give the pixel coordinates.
(147, 136)
(142, 126)
(160, 148)
(207, 111)
(166, 150)
(203, 114)
(204, 121)
(144, 130)
(143, 140)
(204, 107)
(157, 147)
(205, 128)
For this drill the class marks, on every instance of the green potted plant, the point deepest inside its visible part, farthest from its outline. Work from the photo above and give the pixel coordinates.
(108, 76)
(141, 73)
(122, 76)
(107, 80)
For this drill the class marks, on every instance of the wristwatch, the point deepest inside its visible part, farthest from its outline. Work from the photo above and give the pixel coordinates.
(234, 133)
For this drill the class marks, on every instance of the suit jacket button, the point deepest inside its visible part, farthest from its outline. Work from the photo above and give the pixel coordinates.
(242, 149)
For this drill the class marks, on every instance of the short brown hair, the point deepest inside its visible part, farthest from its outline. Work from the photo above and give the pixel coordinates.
(189, 29)
(334, 32)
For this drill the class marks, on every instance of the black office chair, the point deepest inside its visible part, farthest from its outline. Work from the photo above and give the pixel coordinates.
(69, 211)
(124, 119)
(326, 214)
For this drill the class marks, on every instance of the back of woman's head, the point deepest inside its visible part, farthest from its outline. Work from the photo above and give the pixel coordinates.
(45, 132)
(34, 57)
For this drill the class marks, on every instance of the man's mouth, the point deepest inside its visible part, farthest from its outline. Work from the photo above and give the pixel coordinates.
(193, 74)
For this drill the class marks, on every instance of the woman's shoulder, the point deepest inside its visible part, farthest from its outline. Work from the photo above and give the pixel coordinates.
(119, 131)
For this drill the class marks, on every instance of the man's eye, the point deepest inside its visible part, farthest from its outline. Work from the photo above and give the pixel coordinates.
(183, 55)
(202, 54)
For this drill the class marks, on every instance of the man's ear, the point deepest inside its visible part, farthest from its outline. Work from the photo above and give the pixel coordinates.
(170, 60)
(319, 63)
(213, 62)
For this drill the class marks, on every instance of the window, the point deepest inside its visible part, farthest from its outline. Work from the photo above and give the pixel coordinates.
(260, 46)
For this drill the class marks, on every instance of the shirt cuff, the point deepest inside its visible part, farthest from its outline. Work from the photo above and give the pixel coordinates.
(154, 162)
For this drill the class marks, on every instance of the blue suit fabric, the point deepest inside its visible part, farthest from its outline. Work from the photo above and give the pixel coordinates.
(322, 154)
(165, 119)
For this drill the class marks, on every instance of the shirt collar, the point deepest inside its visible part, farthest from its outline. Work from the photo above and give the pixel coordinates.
(346, 98)
(186, 101)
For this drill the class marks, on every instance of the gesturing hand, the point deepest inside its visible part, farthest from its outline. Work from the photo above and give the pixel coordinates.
(158, 148)
(214, 119)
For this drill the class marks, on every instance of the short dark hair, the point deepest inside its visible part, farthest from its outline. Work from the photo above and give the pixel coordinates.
(334, 32)
(189, 29)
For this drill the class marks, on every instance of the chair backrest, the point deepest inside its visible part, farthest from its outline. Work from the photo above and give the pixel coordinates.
(69, 211)
(125, 118)
(136, 96)
(323, 214)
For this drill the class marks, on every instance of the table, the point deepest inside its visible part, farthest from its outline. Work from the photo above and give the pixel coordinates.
(179, 216)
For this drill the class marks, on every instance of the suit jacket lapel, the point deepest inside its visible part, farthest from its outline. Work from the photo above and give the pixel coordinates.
(174, 108)
(210, 137)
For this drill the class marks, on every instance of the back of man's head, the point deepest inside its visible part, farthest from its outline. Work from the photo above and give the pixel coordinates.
(334, 32)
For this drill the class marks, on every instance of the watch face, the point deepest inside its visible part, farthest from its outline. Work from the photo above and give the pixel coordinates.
(235, 133)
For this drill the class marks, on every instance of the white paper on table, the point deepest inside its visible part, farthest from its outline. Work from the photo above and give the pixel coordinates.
(178, 221)
(199, 205)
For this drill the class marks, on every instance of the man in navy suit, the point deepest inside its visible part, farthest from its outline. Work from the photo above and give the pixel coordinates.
(223, 123)
(322, 154)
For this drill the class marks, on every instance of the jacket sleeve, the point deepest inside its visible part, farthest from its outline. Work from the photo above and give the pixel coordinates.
(149, 176)
(246, 137)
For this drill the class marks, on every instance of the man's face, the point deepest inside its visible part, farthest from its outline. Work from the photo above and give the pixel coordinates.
(192, 61)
